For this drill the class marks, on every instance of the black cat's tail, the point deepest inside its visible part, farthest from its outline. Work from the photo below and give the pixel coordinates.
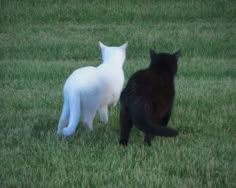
(158, 131)
(141, 120)
(165, 131)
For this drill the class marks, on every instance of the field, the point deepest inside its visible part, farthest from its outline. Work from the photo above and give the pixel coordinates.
(42, 42)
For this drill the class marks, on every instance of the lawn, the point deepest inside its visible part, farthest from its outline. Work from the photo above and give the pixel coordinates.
(42, 42)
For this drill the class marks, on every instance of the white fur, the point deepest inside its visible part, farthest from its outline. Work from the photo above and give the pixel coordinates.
(90, 89)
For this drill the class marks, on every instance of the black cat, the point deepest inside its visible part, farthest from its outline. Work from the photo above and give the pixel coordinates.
(147, 99)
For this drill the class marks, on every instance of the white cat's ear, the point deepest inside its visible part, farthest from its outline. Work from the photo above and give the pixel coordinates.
(102, 45)
(124, 46)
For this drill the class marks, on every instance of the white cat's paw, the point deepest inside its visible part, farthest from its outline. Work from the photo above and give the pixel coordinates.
(103, 114)
(104, 119)
(113, 103)
(67, 132)
(89, 126)
(59, 132)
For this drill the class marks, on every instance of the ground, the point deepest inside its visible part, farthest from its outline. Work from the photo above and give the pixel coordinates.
(42, 42)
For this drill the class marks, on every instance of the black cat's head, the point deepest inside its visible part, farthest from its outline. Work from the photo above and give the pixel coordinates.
(164, 62)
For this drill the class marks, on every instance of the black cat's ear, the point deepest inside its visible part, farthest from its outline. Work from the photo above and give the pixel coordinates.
(177, 54)
(151, 52)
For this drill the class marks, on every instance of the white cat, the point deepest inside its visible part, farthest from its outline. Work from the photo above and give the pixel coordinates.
(89, 89)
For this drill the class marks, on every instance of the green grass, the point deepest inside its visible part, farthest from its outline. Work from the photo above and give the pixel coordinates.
(42, 42)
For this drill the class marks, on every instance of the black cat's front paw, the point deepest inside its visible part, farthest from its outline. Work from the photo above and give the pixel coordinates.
(123, 142)
(147, 143)
(148, 139)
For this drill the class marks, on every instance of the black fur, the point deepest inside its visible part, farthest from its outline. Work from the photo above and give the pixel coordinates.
(147, 99)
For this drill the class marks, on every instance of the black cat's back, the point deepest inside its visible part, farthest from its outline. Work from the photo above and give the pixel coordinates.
(147, 100)
(146, 85)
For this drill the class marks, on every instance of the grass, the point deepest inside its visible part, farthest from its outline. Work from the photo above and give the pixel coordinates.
(42, 42)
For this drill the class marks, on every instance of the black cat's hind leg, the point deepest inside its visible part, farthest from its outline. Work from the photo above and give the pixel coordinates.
(142, 121)
(148, 138)
(125, 125)
(164, 120)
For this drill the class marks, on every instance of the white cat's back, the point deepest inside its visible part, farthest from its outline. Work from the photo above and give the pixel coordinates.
(111, 74)
(111, 79)
(81, 79)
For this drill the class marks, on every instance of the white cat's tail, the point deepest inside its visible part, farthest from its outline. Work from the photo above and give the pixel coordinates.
(64, 118)
(70, 115)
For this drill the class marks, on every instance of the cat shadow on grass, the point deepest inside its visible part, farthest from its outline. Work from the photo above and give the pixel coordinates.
(43, 126)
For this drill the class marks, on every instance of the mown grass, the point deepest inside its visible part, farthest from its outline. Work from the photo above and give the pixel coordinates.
(42, 42)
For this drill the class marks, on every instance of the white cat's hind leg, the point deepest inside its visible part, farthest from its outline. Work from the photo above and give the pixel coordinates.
(64, 118)
(74, 116)
(90, 106)
(103, 114)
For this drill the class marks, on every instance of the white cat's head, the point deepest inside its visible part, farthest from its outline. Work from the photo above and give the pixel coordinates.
(113, 54)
